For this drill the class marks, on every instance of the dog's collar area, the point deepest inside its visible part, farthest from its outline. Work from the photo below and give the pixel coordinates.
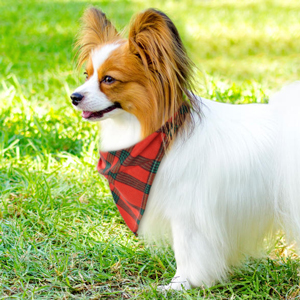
(131, 171)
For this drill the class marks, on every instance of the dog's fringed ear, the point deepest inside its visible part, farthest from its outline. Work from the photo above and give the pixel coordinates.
(154, 38)
(96, 30)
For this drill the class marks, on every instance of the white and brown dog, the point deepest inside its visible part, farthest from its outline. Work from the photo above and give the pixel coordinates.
(227, 181)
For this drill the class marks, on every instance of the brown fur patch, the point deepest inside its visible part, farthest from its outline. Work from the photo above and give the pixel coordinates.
(96, 30)
(152, 71)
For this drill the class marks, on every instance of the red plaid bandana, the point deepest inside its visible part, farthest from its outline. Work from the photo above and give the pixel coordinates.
(130, 172)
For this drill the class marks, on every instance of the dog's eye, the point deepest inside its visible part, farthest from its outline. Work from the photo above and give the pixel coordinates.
(108, 80)
(86, 75)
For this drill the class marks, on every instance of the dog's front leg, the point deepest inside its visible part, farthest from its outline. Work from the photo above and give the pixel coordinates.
(200, 261)
(178, 283)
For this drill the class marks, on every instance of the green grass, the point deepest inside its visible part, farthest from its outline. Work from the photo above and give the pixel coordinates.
(61, 236)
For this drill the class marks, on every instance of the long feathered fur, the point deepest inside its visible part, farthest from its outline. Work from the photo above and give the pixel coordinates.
(155, 39)
(228, 181)
(96, 30)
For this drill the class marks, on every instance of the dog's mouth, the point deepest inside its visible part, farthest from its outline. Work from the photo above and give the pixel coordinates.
(99, 114)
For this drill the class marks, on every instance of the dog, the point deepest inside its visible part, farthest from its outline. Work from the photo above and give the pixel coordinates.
(227, 177)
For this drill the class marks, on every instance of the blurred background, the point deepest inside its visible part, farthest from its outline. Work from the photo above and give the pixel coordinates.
(60, 233)
(234, 41)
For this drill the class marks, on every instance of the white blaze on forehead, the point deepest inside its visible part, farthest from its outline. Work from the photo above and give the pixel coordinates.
(99, 56)
(94, 99)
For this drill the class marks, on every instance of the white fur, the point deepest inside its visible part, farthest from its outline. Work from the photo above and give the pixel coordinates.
(213, 193)
(94, 100)
(219, 193)
(99, 56)
(120, 131)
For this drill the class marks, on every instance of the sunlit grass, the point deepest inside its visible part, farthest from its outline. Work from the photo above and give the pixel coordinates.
(60, 233)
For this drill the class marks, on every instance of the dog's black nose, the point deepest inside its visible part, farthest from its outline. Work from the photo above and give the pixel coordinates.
(76, 98)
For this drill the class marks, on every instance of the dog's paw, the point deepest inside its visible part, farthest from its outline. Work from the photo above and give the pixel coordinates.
(178, 283)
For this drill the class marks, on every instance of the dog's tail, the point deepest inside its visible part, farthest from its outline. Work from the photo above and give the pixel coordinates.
(286, 104)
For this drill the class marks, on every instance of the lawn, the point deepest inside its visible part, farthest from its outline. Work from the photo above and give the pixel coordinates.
(61, 236)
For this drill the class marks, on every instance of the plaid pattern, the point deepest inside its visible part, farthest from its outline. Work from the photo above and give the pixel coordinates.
(130, 172)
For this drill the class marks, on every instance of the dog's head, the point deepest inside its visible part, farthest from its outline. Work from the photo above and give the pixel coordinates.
(146, 75)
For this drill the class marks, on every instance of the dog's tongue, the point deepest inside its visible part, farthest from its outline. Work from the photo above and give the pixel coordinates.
(86, 114)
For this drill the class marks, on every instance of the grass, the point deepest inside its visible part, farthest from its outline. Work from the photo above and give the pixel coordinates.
(61, 236)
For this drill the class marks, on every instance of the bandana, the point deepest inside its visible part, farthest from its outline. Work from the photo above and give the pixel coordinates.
(130, 172)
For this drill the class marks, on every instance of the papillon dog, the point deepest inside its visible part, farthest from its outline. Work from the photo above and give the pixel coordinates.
(230, 178)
